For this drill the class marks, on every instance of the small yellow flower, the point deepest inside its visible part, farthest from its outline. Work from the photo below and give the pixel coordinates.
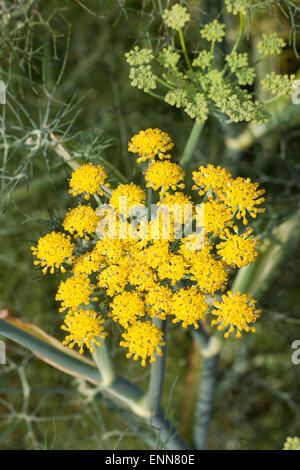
(236, 311)
(238, 250)
(180, 208)
(75, 291)
(52, 251)
(172, 269)
(111, 249)
(127, 196)
(88, 180)
(154, 254)
(164, 175)
(150, 143)
(84, 328)
(161, 226)
(211, 179)
(82, 221)
(194, 243)
(209, 273)
(216, 217)
(88, 263)
(127, 308)
(141, 277)
(158, 301)
(189, 306)
(114, 278)
(242, 196)
(144, 340)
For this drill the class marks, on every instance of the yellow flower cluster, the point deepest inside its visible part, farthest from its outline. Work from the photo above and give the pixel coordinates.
(146, 270)
(126, 308)
(240, 195)
(75, 291)
(158, 301)
(127, 196)
(88, 263)
(143, 340)
(216, 216)
(52, 251)
(211, 179)
(210, 273)
(165, 175)
(238, 250)
(83, 326)
(151, 143)
(87, 180)
(237, 312)
(81, 221)
(189, 306)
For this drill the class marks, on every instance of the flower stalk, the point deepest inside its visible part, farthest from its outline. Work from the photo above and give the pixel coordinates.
(191, 144)
(152, 398)
(104, 363)
(184, 49)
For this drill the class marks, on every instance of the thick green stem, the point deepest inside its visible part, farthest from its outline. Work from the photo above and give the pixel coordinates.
(206, 391)
(153, 396)
(168, 436)
(104, 363)
(184, 50)
(119, 388)
(191, 144)
(60, 358)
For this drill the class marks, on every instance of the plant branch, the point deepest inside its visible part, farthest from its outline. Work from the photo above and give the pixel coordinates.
(191, 144)
(183, 46)
(52, 352)
(206, 391)
(104, 363)
(153, 396)
(239, 37)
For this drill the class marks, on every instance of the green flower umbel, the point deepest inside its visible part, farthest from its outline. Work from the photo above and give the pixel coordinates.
(176, 17)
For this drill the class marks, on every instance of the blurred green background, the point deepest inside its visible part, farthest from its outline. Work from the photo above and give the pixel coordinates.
(64, 66)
